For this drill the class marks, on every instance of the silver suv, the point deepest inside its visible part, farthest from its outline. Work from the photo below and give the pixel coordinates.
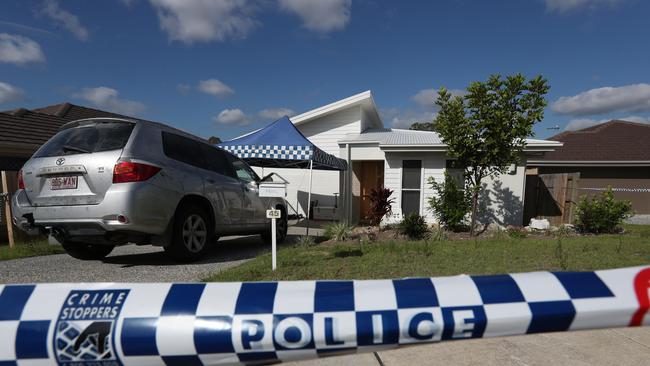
(103, 182)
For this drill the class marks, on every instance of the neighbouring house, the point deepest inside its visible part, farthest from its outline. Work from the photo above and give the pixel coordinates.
(613, 154)
(22, 131)
(401, 160)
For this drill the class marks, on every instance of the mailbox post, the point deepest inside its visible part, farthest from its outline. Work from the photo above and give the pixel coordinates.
(273, 214)
(273, 189)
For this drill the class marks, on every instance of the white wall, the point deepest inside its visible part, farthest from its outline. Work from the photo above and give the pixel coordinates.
(504, 198)
(433, 165)
(327, 131)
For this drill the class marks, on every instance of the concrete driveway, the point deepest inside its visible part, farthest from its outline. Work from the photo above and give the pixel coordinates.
(131, 263)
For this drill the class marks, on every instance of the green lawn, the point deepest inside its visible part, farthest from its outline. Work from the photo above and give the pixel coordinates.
(29, 249)
(396, 259)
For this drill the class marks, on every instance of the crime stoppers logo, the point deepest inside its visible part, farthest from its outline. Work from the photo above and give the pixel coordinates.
(85, 328)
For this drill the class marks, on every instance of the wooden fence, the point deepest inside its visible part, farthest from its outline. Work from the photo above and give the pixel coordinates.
(551, 197)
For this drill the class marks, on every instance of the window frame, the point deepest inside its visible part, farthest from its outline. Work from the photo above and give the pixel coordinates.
(194, 158)
(234, 159)
(419, 189)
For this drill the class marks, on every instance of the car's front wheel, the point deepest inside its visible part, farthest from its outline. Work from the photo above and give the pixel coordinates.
(86, 251)
(192, 233)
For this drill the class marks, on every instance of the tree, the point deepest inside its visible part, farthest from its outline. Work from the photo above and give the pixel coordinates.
(423, 126)
(214, 140)
(486, 129)
(450, 204)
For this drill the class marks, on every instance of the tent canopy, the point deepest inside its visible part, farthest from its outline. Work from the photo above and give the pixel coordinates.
(281, 145)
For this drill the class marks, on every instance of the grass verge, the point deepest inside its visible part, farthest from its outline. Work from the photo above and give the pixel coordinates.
(29, 249)
(395, 259)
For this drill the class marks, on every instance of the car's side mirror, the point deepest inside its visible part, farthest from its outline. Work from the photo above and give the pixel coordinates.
(265, 178)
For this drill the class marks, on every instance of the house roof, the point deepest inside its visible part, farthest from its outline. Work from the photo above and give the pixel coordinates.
(393, 138)
(611, 143)
(364, 100)
(73, 112)
(22, 131)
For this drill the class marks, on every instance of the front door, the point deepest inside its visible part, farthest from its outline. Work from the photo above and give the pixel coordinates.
(371, 177)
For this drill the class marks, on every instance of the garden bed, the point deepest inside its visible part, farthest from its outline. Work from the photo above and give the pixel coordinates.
(395, 258)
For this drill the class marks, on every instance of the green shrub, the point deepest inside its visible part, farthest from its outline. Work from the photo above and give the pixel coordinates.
(380, 205)
(305, 241)
(516, 232)
(601, 213)
(413, 226)
(338, 231)
(451, 204)
(437, 234)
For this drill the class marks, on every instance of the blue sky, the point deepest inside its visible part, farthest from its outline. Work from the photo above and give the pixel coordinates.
(225, 67)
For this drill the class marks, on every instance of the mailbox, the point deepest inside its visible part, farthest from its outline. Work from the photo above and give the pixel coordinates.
(273, 188)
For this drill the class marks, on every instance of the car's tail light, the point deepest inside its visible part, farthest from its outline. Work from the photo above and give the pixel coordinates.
(21, 182)
(127, 171)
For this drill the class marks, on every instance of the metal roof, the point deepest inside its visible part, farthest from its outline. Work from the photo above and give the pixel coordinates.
(393, 137)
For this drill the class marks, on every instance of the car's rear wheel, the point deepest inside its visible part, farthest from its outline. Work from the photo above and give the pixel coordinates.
(192, 233)
(86, 251)
(281, 228)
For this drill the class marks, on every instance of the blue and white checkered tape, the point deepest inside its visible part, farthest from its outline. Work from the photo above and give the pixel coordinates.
(266, 322)
(282, 152)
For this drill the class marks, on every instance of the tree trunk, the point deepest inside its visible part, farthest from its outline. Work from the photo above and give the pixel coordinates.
(474, 209)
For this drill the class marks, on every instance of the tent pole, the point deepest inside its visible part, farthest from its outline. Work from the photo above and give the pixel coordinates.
(311, 170)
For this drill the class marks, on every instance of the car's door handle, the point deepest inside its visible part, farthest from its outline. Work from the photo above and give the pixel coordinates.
(210, 181)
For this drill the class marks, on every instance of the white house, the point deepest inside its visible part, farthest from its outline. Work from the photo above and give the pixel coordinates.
(401, 160)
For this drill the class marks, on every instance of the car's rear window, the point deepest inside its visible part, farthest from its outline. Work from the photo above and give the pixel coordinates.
(92, 138)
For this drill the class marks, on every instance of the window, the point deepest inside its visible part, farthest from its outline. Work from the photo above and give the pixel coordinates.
(411, 182)
(242, 170)
(103, 136)
(183, 149)
(456, 171)
(216, 160)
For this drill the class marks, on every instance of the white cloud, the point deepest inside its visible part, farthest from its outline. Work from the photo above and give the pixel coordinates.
(425, 111)
(215, 87)
(107, 98)
(183, 88)
(404, 118)
(566, 6)
(192, 21)
(631, 98)
(321, 16)
(19, 50)
(232, 117)
(580, 123)
(65, 19)
(427, 97)
(273, 114)
(10, 93)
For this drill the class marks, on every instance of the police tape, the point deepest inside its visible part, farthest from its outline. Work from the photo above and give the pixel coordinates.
(266, 322)
(617, 189)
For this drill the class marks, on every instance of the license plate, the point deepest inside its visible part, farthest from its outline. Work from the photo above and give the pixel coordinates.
(69, 182)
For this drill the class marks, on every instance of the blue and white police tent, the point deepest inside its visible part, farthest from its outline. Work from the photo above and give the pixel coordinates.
(269, 322)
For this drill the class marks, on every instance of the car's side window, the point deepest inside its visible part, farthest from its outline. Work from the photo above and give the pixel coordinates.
(183, 149)
(217, 161)
(243, 172)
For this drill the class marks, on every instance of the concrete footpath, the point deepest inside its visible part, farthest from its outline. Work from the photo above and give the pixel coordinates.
(625, 346)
